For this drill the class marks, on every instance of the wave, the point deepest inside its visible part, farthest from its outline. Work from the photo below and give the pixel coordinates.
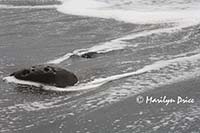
(108, 10)
(116, 44)
(102, 9)
(102, 48)
(178, 19)
(101, 81)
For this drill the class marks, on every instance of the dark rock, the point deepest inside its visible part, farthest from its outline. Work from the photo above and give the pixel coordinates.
(47, 74)
(89, 55)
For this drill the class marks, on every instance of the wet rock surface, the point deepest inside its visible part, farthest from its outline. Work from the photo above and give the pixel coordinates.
(47, 74)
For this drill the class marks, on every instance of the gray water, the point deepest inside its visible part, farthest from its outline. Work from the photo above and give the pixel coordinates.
(167, 50)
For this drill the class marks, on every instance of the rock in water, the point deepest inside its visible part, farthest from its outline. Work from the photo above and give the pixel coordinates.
(47, 74)
(89, 55)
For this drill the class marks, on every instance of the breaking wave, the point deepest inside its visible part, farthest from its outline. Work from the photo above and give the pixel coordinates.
(118, 10)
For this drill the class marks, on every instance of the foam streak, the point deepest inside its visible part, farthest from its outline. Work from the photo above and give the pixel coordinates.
(101, 81)
(116, 44)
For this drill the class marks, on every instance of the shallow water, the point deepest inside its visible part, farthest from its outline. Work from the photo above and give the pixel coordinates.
(140, 45)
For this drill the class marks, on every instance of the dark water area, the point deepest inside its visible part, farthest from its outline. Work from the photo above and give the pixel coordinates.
(29, 2)
(160, 59)
(47, 34)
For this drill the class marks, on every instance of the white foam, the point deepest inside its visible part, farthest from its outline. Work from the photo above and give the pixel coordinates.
(93, 8)
(102, 48)
(80, 87)
(101, 81)
(116, 44)
(104, 9)
(60, 59)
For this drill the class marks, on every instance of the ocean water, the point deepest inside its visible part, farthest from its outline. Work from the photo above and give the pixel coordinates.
(139, 45)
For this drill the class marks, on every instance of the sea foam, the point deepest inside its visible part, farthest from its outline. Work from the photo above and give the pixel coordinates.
(101, 81)
(115, 44)
(180, 18)
(104, 9)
